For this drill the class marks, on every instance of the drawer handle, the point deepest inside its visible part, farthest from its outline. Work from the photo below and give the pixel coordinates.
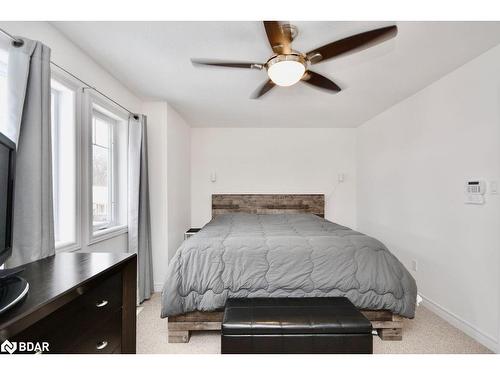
(101, 345)
(102, 303)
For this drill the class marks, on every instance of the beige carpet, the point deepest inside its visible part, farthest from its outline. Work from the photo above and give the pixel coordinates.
(427, 333)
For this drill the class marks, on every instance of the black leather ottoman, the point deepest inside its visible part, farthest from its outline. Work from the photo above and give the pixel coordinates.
(294, 326)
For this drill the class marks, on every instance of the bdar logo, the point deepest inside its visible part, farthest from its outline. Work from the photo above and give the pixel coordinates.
(8, 347)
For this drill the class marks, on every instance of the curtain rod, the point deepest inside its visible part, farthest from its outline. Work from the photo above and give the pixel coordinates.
(19, 42)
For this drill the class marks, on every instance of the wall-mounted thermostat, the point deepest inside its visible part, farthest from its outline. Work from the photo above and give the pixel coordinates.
(474, 191)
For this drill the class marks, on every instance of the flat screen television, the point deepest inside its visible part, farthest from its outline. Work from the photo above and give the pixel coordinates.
(7, 165)
(13, 288)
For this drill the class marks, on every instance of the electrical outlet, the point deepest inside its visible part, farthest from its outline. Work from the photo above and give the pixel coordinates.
(414, 265)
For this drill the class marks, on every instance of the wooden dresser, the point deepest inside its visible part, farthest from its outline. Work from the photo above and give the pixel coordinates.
(77, 303)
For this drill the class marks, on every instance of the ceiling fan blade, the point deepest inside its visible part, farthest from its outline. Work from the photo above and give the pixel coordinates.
(352, 44)
(280, 38)
(228, 64)
(320, 81)
(263, 89)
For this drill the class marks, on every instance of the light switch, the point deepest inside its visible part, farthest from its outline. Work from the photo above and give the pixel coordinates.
(213, 177)
(474, 199)
(494, 187)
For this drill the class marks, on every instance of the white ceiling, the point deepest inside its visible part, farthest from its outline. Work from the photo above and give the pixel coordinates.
(153, 60)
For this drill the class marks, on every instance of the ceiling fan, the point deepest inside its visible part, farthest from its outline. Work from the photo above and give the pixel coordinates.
(286, 66)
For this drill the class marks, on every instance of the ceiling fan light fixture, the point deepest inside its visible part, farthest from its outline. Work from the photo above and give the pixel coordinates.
(286, 70)
(288, 66)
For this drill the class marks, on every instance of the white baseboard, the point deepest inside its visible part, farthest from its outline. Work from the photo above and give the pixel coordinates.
(483, 338)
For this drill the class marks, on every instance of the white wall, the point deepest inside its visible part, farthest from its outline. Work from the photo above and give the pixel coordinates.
(70, 57)
(274, 161)
(169, 183)
(179, 179)
(413, 161)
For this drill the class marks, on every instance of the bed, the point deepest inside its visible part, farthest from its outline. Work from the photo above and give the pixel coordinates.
(279, 245)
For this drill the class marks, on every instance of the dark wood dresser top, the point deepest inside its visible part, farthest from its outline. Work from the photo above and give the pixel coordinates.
(57, 280)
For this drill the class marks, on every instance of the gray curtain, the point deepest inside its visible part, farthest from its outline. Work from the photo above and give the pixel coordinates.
(139, 228)
(28, 124)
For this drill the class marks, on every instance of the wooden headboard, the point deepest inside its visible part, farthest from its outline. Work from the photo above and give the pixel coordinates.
(268, 203)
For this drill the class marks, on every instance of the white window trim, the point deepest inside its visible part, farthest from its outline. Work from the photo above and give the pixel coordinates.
(92, 100)
(4, 68)
(108, 233)
(55, 154)
(75, 86)
(113, 192)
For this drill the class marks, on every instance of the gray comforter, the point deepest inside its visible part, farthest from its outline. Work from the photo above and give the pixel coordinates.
(295, 255)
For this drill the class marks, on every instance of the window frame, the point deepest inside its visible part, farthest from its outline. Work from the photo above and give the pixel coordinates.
(112, 160)
(71, 84)
(96, 103)
(55, 153)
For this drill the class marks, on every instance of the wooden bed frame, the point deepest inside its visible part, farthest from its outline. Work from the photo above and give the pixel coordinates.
(389, 326)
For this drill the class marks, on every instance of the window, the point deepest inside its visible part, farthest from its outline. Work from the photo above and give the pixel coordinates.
(108, 147)
(103, 166)
(64, 164)
(89, 146)
(89, 163)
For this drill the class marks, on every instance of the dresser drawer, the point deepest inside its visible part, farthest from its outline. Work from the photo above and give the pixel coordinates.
(105, 339)
(64, 328)
(103, 299)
